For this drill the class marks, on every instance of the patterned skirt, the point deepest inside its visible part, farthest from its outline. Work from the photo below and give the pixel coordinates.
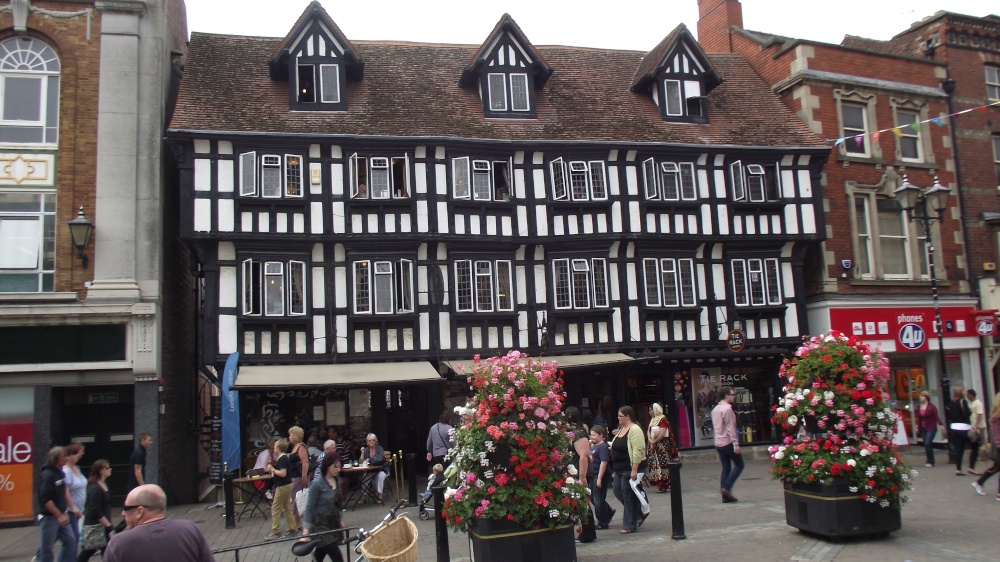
(663, 452)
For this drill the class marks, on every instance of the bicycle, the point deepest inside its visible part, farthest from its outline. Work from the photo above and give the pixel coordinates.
(403, 547)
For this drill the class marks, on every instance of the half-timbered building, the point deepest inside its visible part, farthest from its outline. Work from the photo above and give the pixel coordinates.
(370, 216)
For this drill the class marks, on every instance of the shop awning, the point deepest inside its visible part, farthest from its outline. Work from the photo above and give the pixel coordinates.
(563, 361)
(343, 374)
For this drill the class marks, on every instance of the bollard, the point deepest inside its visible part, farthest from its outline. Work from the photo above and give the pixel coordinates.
(440, 525)
(227, 494)
(411, 478)
(676, 503)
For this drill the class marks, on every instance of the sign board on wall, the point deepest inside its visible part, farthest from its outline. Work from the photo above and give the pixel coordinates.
(910, 328)
(17, 406)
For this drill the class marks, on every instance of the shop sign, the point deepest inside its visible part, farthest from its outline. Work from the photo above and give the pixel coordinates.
(16, 457)
(986, 322)
(736, 341)
(909, 327)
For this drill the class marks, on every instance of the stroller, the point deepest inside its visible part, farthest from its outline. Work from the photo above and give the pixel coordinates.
(435, 479)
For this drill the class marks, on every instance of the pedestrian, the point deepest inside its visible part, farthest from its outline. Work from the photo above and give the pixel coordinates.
(76, 485)
(628, 453)
(994, 449)
(662, 448)
(329, 449)
(298, 471)
(727, 443)
(323, 507)
(151, 537)
(264, 458)
(97, 510)
(957, 415)
(281, 505)
(928, 422)
(439, 439)
(977, 419)
(137, 464)
(579, 459)
(600, 476)
(53, 501)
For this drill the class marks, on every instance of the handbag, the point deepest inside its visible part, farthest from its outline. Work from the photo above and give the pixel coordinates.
(93, 537)
(974, 435)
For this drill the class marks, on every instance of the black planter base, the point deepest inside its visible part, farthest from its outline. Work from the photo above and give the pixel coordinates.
(833, 511)
(503, 541)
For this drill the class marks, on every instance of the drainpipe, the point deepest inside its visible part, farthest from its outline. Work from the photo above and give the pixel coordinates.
(948, 85)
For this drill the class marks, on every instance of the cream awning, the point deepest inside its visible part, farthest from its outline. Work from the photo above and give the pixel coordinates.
(342, 374)
(563, 361)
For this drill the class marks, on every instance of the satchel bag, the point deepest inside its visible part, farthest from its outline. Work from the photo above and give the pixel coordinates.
(974, 435)
(93, 537)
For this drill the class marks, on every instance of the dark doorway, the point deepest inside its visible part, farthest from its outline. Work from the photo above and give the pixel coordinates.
(102, 419)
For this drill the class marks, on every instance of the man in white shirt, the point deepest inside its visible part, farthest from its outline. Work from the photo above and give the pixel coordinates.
(977, 419)
(727, 443)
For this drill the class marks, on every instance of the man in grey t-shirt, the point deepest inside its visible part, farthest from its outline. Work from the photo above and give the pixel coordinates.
(151, 537)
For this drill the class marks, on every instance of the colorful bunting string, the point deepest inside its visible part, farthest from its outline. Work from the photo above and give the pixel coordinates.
(915, 127)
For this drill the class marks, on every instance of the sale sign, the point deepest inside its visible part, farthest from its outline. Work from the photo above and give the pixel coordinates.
(16, 454)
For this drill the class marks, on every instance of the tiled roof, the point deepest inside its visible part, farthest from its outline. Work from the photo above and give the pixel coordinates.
(651, 60)
(411, 90)
(896, 48)
(541, 69)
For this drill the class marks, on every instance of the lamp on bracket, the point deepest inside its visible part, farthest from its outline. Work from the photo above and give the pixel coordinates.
(543, 327)
(80, 229)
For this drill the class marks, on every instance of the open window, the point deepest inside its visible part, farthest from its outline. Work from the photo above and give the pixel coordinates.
(379, 177)
(383, 286)
(481, 180)
(273, 287)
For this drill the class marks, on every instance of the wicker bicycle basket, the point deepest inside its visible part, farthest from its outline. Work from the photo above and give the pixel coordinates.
(396, 542)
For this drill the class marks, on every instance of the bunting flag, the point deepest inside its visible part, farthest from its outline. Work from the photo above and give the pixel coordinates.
(915, 127)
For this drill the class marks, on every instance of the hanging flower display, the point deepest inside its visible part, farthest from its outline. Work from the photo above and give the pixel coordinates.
(512, 451)
(837, 422)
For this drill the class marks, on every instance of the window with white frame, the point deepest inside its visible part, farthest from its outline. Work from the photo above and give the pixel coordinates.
(683, 98)
(270, 175)
(855, 128)
(996, 158)
(993, 82)
(274, 288)
(379, 177)
(580, 283)
(909, 135)
(518, 98)
(27, 242)
(483, 286)
(756, 183)
(481, 180)
(885, 245)
(578, 180)
(29, 92)
(669, 282)
(383, 286)
(325, 89)
(669, 181)
(756, 282)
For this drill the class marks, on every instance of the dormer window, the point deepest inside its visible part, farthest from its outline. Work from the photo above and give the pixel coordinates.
(677, 76)
(683, 98)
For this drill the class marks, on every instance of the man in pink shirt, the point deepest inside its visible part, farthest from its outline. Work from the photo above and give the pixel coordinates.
(727, 443)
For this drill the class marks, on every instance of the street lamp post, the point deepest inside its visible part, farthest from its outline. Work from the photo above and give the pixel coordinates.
(919, 204)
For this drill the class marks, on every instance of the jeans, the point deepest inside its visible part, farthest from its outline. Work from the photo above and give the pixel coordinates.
(728, 456)
(52, 530)
(599, 495)
(928, 437)
(957, 438)
(623, 491)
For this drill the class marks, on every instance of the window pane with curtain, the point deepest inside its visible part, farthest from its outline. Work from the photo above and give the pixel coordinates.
(854, 125)
(892, 239)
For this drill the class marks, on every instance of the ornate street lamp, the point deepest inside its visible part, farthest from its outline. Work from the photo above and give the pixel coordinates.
(927, 206)
(80, 230)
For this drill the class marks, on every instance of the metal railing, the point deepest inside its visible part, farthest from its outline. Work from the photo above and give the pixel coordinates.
(352, 537)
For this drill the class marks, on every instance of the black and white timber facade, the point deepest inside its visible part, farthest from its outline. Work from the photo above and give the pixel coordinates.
(392, 205)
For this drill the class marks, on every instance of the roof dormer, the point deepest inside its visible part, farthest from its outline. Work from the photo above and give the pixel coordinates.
(677, 76)
(507, 72)
(317, 60)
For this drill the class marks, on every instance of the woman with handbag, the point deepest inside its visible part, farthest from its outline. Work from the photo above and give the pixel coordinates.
(928, 422)
(957, 413)
(96, 512)
(322, 512)
(995, 449)
(628, 453)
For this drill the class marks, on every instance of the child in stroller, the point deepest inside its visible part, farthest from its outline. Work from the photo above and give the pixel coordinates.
(435, 478)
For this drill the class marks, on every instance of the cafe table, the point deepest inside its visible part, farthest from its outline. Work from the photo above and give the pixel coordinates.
(366, 490)
(254, 500)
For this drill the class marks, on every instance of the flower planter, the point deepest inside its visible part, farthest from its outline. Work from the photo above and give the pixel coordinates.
(492, 540)
(833, 511)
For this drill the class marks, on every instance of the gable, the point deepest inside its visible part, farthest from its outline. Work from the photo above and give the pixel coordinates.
(316, 40)
(506, 51)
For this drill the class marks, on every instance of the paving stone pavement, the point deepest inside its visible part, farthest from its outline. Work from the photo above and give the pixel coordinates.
(946, 520)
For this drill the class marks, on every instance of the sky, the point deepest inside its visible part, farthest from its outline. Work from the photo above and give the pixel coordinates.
(615, 24)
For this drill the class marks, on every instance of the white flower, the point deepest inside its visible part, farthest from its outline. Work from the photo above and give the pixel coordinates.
(852, 462)
(793, 420)
(865, 452)
(779, 455)
(853, 489)
(571, 469)
(554, 513)
(828, 395)
(570, 479)
(449, 492)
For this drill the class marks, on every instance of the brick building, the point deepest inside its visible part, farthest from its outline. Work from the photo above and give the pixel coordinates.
(885, 111)
(88, 350)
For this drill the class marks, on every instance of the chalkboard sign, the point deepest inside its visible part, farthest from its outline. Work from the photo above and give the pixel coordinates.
(215, 450)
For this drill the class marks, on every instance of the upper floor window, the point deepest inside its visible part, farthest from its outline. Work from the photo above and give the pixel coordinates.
(271, 176)
(996, 158)
(756, 183)
(27, 242)
(578, 180)
(317, 83)
(379, 177)
(683, 98)
(669, 181)
(483, 286)
(756, 282)
(383, 286)
(909, 139)
(29, 92)
(517, 100)
(274, 288)
(993, 82)
(885, 247)
(855, 128)
(580, 283)
(481, 180)
(669, 282)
